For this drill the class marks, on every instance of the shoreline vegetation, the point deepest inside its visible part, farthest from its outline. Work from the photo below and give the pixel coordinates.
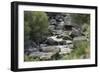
(56, 36)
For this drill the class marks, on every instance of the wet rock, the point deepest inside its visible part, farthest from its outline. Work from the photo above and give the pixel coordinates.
(59, 17)
(53, 21)
(66, 37)
(62, 43)
(50, 49)
(35, 54)
(51, 27)
(51, 41)
(47, 56)
(43, 45)
(60, 26)
(75, 32)
(64, 49)
(58, 32)
(55, 38)
(71, 46)
(69, 41)
(30, 49)
(59, 36)
(42, 55)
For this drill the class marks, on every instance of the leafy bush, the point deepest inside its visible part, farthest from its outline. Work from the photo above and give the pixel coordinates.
(36, 25)
(81, 51)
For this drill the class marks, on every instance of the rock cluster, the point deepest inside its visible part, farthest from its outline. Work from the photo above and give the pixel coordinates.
(61, 40)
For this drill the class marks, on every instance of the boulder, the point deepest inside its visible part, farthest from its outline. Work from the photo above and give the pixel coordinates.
(62, 43)
(64, 49)
(30, 50)
(70, 46)
(35, 54)
(60, 26)
(50, 49)
(58, 31)
(51, 27)
(55, 38)
(59, 36)
(66, 37)
(69, 41)
(43, 45)
(53, 21)
(42, 55)
(50, 41)
(75, 32)
(46, 56)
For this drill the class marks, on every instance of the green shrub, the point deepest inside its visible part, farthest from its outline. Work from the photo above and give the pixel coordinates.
(81, 51)
(30, 58)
